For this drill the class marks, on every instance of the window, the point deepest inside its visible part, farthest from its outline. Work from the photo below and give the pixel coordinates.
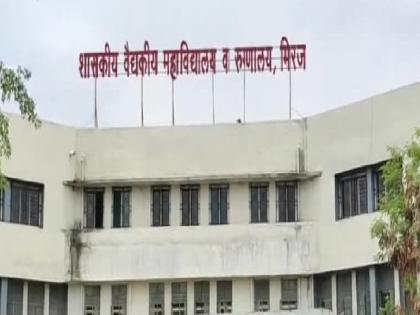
(322, 291)
(384, 285)
(14, 297)
(189, 205)
(344, 299)
(35, 298)
(119, 300)
(352, 193)
(287, 201)
(92, 300)
(94, 208)
(262, 295)
(259, 202)
(21, 202)
(160, 205)
(378, 185)
(156, 299)
(179, 298)
(219, 204)
(121, 207)
(289, 294)
(224, 297)
(58, 299)
(363, 292)
(201, 297)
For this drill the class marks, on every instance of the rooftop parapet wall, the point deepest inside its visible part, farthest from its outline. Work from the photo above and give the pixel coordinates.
(165, 152)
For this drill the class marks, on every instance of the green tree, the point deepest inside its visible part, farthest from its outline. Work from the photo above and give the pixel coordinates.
(397, 227)
(12, 88)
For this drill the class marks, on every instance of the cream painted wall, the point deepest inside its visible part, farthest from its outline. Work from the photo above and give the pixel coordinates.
(41, 156)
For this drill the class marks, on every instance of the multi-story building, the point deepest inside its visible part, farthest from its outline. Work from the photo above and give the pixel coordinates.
(229, 218)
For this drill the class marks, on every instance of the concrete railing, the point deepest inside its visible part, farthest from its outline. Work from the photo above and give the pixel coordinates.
(198, 251)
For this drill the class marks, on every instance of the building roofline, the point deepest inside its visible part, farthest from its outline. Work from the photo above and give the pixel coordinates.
(231, 124)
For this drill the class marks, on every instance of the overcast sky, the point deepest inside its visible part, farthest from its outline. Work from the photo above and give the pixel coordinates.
(355, 49)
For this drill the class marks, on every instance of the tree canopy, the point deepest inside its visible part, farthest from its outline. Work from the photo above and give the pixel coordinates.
(13, 88)
(398, 226)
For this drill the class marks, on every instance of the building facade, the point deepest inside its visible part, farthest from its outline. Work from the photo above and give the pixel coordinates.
(251, 218)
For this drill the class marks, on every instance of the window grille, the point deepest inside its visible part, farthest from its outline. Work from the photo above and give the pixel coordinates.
(219, 204)
(259, 202)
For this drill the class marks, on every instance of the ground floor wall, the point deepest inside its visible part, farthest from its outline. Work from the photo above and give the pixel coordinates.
(349, 292)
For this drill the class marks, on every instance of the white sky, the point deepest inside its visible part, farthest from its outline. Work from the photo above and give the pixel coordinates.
(355, 49)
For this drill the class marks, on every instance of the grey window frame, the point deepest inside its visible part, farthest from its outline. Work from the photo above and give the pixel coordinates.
(160, 189)
(28, 188)
(351, 178)
(344, 285)
(221, 299)
(36, 305)
(58, 301)
(98, 304)
(125, 219)
(219, 187)
(86, 192)
(189, 188)
(378, 185)
(323, 284)
(15, 307)
(119, 301)
(179, 300)
(156, 286)
(363, 298)
(286, 185)
(258, 299)
(259, 186)
(204, 298)
(289, 304)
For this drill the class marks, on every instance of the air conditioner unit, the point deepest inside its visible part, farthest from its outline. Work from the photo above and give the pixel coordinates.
(288, 304)
(117, 310)
(157, 309)
(90, 310)
(178, 309)
(263, 306)
(225, 307)
(200, 308)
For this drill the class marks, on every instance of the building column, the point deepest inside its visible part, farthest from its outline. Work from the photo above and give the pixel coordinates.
(3, 297)
(334, 293)
(75, 299)
(46, 299)
(275, 292)
(190, 297)
(372, 290)
(272, 206)
(213, 297)
(354, 292)
(369, 187)
(174, 206)
(107, 215)
(105, 299)
(397, 288)
(25, 298)
(204, 216)
(129, 299)
(168, 298)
